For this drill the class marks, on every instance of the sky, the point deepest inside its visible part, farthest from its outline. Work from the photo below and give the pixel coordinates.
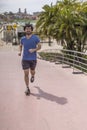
(30, 5)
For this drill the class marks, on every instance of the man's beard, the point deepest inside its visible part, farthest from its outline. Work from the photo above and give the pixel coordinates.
(28, 33)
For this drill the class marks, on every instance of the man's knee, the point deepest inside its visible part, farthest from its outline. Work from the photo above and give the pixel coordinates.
(26, 73)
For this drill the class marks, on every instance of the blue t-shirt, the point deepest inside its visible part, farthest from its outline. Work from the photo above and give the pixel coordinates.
(27, 44)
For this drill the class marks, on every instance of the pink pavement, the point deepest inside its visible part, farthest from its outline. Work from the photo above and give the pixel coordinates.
(58, 99)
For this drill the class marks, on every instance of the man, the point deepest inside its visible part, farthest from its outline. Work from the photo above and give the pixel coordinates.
(30, 44)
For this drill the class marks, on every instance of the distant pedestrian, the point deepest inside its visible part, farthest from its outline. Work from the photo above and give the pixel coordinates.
(30, 44)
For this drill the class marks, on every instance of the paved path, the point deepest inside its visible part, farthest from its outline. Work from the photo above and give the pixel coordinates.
(58, 98)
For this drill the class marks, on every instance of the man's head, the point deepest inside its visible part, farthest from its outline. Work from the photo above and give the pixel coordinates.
(28, 28)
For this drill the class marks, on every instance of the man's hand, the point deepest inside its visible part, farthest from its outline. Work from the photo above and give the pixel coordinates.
(32, 50)
(36, 49)
(19, 53)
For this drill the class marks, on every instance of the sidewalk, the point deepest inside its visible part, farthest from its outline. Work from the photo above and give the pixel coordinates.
(58, 99)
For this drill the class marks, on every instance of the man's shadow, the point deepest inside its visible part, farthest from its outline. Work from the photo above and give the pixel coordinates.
(48, 96)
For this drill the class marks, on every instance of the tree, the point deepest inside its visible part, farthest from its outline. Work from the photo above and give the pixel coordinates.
(44, 24)
(66, 22)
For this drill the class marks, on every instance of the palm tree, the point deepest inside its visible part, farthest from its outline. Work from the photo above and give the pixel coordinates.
(66, 21)
(70, 25)
(44, 24)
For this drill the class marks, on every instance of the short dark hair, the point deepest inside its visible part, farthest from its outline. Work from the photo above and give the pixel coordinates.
(28, 25)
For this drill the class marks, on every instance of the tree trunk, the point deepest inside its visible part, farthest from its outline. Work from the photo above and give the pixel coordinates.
(49, 42)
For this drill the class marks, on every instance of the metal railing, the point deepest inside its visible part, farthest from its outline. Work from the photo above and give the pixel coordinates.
(69, 58)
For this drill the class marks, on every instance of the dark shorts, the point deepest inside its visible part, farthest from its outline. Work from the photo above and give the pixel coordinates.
(29, 64)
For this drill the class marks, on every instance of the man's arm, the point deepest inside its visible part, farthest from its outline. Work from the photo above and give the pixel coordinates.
(20, 49)
(36, 49)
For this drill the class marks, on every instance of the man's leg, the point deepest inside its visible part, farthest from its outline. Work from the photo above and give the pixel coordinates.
(32, 72)
(32, 69)
(32, 75)
(26, 78)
